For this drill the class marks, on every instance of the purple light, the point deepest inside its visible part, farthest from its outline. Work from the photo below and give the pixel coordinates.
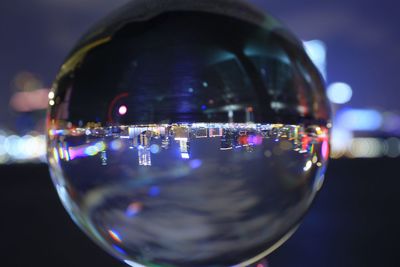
(325, 150)
(255, 140)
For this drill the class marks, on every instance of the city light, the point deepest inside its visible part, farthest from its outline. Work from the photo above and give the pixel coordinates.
(30, 100)
(155, 149)
(316, 50)
(122, 110)
(118, 249)
(359, 119)
(51, 95)
(133, 209)
(196, 163)
(308, 166)
(115, 236)
(154, 191)
(366, 148)
(349, 138)
(392, 147)
(116, 145)
(339, 93)
(185, 155)
(14, 148)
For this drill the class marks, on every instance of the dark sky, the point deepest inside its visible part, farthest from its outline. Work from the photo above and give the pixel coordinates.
(362, 37)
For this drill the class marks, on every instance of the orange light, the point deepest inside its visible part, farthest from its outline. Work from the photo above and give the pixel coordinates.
(115, 236)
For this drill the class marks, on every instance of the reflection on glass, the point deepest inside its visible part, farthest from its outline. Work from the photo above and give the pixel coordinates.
(188, 134)
(186, 184)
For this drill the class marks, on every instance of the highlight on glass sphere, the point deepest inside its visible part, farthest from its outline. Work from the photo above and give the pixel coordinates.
(188, 133)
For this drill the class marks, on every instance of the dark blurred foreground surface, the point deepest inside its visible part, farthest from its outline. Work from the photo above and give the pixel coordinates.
(354, 221)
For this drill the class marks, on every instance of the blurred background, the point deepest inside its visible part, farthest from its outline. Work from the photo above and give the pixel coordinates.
(356, 46)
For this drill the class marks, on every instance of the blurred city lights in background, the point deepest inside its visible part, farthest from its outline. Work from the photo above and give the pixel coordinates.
(339, 93)
(354, 134)
(27, 148)
(359, 119)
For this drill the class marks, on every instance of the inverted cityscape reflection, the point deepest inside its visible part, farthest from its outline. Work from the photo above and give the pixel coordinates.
(198, 194)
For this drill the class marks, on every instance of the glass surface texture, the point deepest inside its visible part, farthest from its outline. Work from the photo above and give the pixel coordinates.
(188, 134)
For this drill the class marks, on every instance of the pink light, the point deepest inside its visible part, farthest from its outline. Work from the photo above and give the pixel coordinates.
(76, 153)
(255, 139)
(122, 110)
(30, 101)
(325, 150)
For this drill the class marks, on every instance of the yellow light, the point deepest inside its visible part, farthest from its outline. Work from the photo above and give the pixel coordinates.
(51, 102)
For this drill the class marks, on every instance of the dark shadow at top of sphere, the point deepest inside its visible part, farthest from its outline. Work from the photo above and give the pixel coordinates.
(189, 61)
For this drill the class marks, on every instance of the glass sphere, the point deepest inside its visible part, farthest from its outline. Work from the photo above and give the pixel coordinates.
(188, 133)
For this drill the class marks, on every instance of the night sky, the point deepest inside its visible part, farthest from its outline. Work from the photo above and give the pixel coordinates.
(362, 39)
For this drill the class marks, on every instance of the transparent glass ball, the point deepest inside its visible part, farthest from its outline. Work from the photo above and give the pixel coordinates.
(188, 133)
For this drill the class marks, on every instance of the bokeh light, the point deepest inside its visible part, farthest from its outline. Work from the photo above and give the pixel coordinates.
(122, 110)
(339, 93)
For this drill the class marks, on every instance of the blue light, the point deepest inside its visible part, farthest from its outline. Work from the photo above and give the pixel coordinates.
(154, 148)
(154, 191)
(203, 107)
(118, 249)
(196, 163)
(359, 119)
(116, 145)
(316, 50)
(339, 93)
(91, 151)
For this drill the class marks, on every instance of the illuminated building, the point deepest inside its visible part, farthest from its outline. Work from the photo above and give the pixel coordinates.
(182, 136)
(201, 132)
(125, 133)
(144, 139)
(181, 132)
(144, 156)
(184, 147)
(104, 158)
(215, 132)
(227, 140)
(144, 153)
(249, 114)
(165, 142)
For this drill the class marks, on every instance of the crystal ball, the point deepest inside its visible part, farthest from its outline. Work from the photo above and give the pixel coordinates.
(188, 133)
